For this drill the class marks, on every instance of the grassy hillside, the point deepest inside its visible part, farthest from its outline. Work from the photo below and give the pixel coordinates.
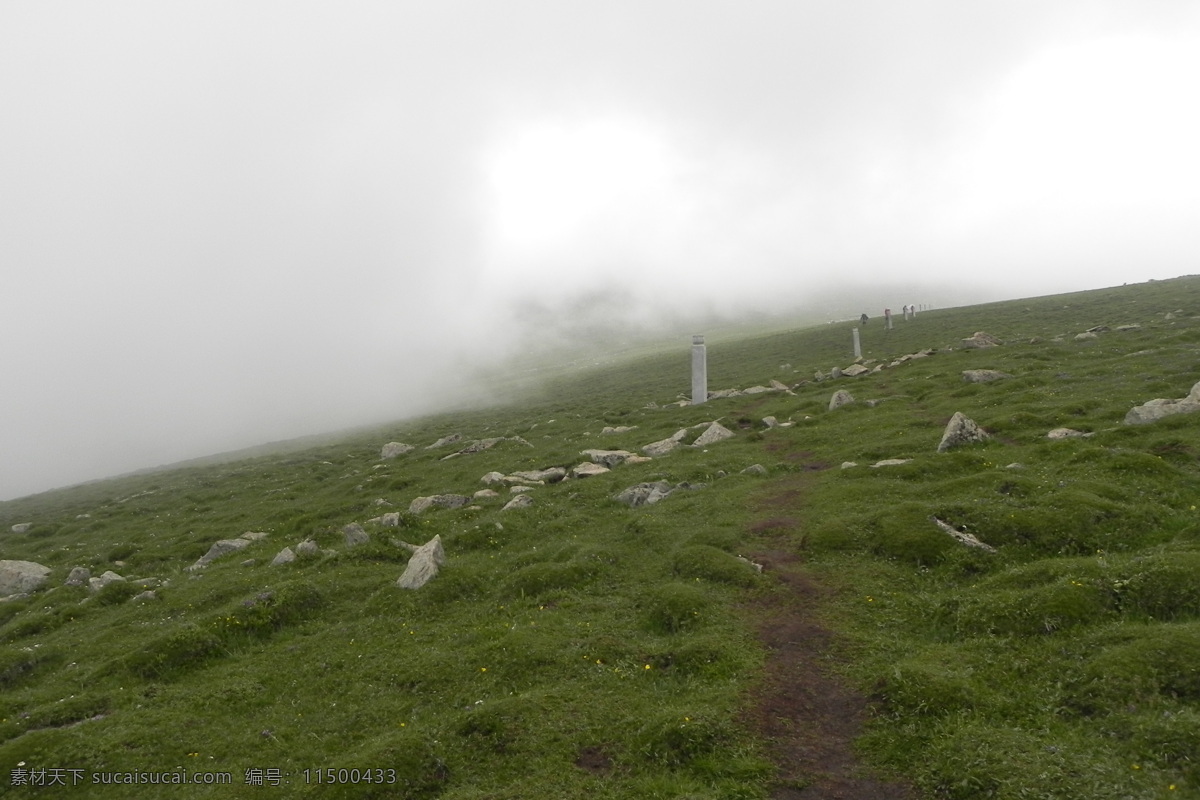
(581, 648)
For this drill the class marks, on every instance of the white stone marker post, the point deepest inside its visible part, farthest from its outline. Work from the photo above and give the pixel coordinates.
(857, 343)
(699, 370)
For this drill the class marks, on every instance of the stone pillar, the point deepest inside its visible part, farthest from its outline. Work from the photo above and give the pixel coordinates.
(699, 370)
(857, 343)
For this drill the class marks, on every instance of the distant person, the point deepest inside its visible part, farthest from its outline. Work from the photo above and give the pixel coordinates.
(862, 320)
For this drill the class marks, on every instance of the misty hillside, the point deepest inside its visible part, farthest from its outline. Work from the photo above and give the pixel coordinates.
(820, 604)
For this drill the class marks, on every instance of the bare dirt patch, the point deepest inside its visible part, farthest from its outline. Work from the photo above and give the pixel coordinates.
(807, 714)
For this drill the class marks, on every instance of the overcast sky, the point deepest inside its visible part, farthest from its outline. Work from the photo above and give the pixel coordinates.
(226, 223)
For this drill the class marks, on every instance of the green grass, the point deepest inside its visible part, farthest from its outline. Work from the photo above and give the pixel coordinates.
(1063, 665)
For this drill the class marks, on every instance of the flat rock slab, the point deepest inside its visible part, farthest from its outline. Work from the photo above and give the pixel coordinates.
(1157, 409)
(983, 375)
(423, 504)
(608, 458)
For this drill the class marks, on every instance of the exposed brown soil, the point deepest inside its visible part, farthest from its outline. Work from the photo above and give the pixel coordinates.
(809, 717)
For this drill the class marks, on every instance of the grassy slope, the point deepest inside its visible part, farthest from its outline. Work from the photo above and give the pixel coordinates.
(1062, 666)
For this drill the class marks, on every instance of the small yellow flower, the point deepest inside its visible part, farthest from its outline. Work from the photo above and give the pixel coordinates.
(647, 666)
(483, 669)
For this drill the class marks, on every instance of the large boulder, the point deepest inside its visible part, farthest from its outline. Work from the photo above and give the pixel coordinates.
(959, 431)
(1157, 409)
(588, 469)
(17, 577)
(715, 432)
(520, 501)
(608, 458)
(226, 546)
(840, 398)
(423, 504)
(423, 564)
(548, 475)
(393, 449)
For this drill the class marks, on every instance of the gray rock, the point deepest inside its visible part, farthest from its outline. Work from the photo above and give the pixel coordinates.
(849, 464)
(1079, 337)
(608, 458)
(980, 339)
(285, 556)
(959, 431)
(520, 501)
(890, 462)
(755, 469)
(770, 422)
(1157, 409)
(21, 576)
(96, 584)
(983, 375)
(549, 475)
(618, 429)
(493, 478)
(423, 565)
(588, 469)
(445, 440)
(422, 504)
(1066, 433)
(307, 548)
(480, 445)
(79, 577)
(1124, 328)
(220, 548)
(716, 432)
(519, 489)
(393, 449)
(854, 370)
(644, 494)
(22, 527)
(144, 597)
(661, 447)
(840, 398)
(390, 519)
(354, 535)
(757, 390)
(779, 386)
(835, 373)
(484, 494)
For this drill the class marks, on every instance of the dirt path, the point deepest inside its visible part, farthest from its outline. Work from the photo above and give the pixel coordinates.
(808, 715)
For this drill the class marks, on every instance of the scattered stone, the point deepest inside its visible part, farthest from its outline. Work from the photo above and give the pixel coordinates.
(721, 394)
(96, 584)
(1015, 465)
(757, 390)
(770, 422)
(983, 375)
(285, 556)
(618, 429)
(716, 432)
(854, 370)
(980, 339)
(890, 462)
(423, 565)
(307, 548)
(390, 519)
(1066, 433)
(960, 431)
(779, 386)
(21, 576)
(1123, 328)
(644, 494)
(588, 469)
(1157, 409)
(493, 478)
(422, 504)
(550, 475)
(143, 597)
(1079, 337)
(393, 449)
(835, 373)
(484, 494)
(608, 458)
(661, 447)
(520, 501)
(354, 535)
(840, 398)
(966, 538)
(519, 489)
(849, 464)
(757, 567)
(479, 446)
(226, 546)
(22, 527)
(79, 577)
(1098, 329)
(445, 440)
(755, 469)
